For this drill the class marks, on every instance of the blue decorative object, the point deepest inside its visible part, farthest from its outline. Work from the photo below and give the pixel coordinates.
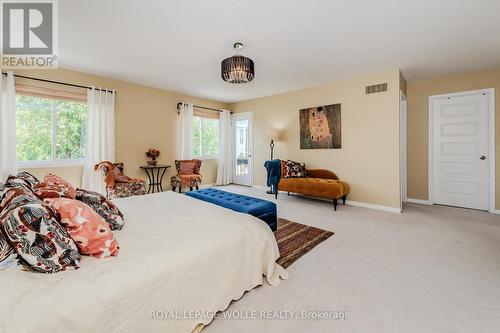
(262, 209)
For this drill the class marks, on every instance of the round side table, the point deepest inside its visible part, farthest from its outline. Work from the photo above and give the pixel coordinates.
(155, 176)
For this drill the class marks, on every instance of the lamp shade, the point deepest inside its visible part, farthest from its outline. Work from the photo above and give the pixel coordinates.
(237, 69)
(274, 134)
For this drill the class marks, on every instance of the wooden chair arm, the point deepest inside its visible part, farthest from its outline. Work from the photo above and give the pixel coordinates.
(321, 173)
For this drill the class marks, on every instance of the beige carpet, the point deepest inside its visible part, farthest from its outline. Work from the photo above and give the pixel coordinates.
(430, 269)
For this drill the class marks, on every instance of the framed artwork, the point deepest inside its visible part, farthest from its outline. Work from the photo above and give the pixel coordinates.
(320, 127)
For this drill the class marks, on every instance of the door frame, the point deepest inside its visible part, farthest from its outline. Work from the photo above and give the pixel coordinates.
(403, 141)
(491, 119)
(250, 141)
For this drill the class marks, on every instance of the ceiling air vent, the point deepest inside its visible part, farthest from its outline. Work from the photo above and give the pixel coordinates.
(376, 88)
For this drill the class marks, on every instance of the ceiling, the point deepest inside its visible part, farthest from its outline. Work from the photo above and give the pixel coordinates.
(178, 45)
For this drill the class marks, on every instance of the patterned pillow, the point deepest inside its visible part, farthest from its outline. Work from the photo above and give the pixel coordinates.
(13, 181)
(104, 207)
(52, 179)
(6, 250)
(40, 241)
(44, 191)
(29, 178)
(187, 168)
(294, 170)
(87, 228)
(13, 197)
(119, 176)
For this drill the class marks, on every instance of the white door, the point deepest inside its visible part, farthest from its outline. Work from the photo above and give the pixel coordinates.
(460, 147)
(242, 149)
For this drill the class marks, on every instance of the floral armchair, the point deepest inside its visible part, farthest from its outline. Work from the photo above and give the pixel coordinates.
(117, 184)
(188, 175)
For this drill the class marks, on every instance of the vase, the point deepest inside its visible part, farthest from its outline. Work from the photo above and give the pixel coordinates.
(152, 162)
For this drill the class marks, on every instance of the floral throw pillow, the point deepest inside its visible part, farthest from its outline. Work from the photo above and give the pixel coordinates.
(54, 180)
(39, 240)
(17, 182)
(29, 178)
(295, 170)
(44, 190)
(13, 197)
(6, 250)
(87, 228)
(104, 207)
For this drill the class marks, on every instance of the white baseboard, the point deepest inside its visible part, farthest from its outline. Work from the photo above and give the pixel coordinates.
(352, 203)
(207, 185)
(373, 206)
(495, 211)
(418, 201)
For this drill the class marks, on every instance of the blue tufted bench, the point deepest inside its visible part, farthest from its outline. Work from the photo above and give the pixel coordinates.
(262, 209)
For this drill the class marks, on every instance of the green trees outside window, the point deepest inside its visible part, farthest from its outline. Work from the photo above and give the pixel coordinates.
(49, 129)
(206, 137)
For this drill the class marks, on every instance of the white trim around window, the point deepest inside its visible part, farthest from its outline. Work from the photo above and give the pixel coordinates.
(51, 163)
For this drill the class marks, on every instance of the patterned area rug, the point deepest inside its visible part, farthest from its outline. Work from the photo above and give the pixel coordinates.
(295, 239)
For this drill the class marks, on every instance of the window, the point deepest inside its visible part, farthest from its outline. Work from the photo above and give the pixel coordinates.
(50, 131)
(206, 137)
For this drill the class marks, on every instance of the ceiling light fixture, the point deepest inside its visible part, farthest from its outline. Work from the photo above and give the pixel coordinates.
(237, 69)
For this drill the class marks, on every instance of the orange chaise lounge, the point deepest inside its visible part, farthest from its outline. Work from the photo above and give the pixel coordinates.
(318, 183)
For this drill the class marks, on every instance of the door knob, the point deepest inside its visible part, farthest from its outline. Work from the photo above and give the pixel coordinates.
(482, 158)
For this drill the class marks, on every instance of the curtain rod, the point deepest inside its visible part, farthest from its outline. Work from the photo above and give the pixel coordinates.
(62, 83)
(198, 107)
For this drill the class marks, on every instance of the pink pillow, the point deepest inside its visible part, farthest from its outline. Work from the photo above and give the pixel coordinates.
(187, 168)
(87, 228)
(51, 179)
(44, 191)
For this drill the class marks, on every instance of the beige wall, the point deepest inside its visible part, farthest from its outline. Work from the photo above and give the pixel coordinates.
(418, 112)
(369, 158)
(145, 117)
(71, 174)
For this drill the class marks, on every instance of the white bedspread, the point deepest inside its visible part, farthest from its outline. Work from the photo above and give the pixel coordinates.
(176, 254)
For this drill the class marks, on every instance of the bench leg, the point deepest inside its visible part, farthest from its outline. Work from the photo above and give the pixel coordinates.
(173, 188)
(180, 188)
(190, 189)
(343, 199)
(197, 187)
(335, 204)
(276, 194)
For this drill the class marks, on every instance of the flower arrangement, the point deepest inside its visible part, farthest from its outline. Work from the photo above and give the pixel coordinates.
(153, 154)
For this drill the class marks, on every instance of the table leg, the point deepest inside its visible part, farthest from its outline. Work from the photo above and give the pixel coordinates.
(161, 178)
(150, 180)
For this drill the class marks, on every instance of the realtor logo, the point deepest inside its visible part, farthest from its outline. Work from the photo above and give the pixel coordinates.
(29, 34)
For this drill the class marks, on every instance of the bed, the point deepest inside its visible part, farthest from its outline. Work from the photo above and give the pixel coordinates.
(178, 255)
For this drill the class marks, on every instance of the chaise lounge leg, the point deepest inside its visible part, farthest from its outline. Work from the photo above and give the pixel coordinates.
(343, 199)
(197, 187)
(190, 189)
(276, 194)
(180, 188)
(335, 204)
(173, 188)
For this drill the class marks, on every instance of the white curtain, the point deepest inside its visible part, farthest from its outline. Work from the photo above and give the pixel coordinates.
(225, 165)
(100, 139)
(8, 149)
(186, 132)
